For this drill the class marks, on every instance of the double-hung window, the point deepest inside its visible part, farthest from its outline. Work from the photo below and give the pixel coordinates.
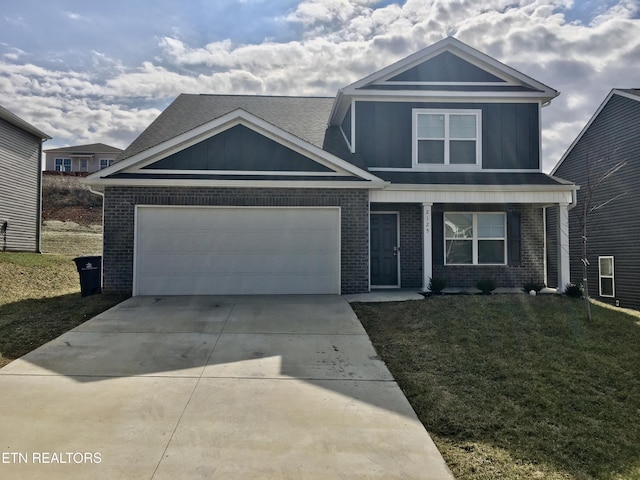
(63, 164)
(475, 238)
(446, 137)
(106, 162)
(606, 276)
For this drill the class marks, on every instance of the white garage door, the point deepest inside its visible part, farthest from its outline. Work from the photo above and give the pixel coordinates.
(236, 250)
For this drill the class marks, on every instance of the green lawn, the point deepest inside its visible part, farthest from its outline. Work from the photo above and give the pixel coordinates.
(518, 387)
(69, 238)
(39, 300)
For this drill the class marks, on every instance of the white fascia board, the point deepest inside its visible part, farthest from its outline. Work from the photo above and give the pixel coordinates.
(591, 120)
(222, 123)
(483, 188)
(450, 194)
(173, 182)
(432, 95)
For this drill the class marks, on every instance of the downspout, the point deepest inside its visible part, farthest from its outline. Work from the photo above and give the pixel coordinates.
(39, 214)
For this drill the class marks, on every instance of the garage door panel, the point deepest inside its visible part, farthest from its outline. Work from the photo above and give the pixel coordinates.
(250, 240)
(241, 264)
(212, 250)
(187, 285)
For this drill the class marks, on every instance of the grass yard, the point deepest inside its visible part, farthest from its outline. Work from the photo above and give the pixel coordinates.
(69, 238)
(39, 300)
(518, 387)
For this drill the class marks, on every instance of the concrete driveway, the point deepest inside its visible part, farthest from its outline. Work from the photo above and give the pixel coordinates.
(285, 387)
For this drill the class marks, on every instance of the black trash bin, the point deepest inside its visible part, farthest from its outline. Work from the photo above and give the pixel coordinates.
(90, 272)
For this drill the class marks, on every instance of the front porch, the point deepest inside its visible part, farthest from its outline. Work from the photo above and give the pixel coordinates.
(505, 241)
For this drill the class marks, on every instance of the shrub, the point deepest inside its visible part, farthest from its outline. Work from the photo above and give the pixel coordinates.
(535, 286)
(573, 291)
(437, 284)
(486, 285)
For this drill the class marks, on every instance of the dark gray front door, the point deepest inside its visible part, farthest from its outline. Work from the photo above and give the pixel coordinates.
(384, 249)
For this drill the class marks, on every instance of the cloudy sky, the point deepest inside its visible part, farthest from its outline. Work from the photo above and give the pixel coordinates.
(89, 71)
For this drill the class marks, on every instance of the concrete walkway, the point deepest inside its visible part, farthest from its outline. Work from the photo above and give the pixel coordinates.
(282, 387)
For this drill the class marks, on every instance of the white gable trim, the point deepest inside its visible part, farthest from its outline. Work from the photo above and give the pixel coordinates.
(511, 76)
(591, 120)
(462, 50)
(220, 124)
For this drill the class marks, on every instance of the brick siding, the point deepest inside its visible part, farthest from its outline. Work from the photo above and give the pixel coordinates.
(119, 210)
(531, 267)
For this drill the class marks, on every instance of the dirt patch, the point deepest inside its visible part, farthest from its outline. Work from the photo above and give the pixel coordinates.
(79, 214)
(66, 199)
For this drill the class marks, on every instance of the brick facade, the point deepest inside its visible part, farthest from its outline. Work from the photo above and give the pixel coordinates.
(119, 212)
(531, 267)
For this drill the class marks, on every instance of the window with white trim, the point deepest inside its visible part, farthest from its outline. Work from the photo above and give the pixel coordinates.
(106, 162)
(446, 137)
(63, 164)
(83, 164)
(475, 238)
(606, 276)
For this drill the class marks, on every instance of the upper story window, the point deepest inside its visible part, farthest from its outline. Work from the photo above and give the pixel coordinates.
(106, 162)
(446, 137)
(63, 164)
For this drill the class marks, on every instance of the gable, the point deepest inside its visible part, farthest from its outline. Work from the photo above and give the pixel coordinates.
(236, 149)
(239, 149)
(610, 137)
(446, 70)
(445, 67)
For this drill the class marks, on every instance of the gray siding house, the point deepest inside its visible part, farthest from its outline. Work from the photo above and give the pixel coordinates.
(81, 158)
(610, 138)
(427, 168)
(20, 183)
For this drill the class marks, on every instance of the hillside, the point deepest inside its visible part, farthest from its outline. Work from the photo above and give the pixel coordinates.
(71, 217)
(66, 199)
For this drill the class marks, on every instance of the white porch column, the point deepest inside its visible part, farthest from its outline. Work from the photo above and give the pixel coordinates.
(427, 246)
(564, 264)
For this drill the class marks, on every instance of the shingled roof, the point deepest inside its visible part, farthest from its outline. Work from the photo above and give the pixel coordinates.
(86, 149)
(304, 117)
(13, 119)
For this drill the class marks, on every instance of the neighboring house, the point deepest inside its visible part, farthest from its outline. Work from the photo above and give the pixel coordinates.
(81, 158)
(20, 183)
(429, 167)
(610, 138)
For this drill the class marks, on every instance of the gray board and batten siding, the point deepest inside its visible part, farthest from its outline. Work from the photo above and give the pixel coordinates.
(239, 148)
(510, 133)
(445, 67)
(614, 229)
(20, 201)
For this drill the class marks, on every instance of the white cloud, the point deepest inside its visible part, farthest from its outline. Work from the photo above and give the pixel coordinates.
(340, 42)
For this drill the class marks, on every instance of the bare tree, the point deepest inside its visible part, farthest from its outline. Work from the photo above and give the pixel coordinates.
(592, 186)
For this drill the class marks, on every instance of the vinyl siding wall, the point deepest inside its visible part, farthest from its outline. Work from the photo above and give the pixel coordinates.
(615, 228)
(93, 164)
(510, 133)
(20, 203)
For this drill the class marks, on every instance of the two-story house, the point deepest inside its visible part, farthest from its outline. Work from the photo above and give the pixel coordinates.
(604, 160)
(427, 168)
(20, 183)
(81, 158)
